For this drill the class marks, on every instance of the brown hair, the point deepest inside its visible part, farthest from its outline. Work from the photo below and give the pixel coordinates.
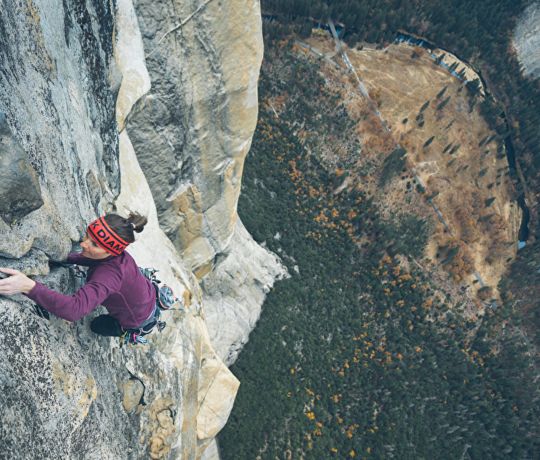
(126, 227)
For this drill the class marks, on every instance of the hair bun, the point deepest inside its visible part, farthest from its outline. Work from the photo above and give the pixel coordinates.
(137, 221)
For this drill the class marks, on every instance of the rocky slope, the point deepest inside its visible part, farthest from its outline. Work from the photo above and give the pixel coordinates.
(79, 70)
(527, 40)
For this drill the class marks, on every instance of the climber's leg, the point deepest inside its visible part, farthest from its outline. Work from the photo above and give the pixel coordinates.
(106, 325)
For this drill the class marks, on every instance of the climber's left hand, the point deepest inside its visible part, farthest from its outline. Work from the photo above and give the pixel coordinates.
(16, 283)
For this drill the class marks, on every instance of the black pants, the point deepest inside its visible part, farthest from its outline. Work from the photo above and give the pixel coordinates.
(106, 325)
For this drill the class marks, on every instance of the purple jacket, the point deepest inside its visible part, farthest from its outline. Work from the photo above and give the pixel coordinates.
(114, 282)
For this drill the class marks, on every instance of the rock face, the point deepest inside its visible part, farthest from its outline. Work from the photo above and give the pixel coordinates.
(80, 70)
(57, 96)
(16, 175)
(193, 130)
(235, 290)
(527, 40)
(191, 134)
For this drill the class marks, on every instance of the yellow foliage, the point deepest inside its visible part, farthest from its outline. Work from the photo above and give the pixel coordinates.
(310, 415)
(428, 303)
(352, 453)
(321, 217)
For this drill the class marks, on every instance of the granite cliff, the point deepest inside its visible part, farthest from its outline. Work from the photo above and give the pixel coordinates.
(96, 116)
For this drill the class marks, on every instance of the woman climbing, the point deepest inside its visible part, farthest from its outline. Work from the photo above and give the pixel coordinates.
(113, 280)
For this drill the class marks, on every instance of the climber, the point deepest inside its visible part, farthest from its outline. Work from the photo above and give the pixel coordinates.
(113, 279)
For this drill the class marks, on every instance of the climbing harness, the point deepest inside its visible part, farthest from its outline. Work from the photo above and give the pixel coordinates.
(165, 300)
(136, 335)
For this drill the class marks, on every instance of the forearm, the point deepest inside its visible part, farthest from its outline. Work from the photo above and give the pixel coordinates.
(69, 307)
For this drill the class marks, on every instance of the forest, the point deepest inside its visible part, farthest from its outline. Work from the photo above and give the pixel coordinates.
(358, 354)
(478, 31)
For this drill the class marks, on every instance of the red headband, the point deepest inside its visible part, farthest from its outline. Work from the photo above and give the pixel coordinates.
(106, 238)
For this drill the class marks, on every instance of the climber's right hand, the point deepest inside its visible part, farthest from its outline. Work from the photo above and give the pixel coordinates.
(16, 283)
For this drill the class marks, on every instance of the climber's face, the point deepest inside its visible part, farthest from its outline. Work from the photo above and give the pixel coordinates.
(91, 250)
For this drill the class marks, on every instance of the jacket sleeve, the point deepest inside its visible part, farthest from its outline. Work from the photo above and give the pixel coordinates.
(73, 307)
